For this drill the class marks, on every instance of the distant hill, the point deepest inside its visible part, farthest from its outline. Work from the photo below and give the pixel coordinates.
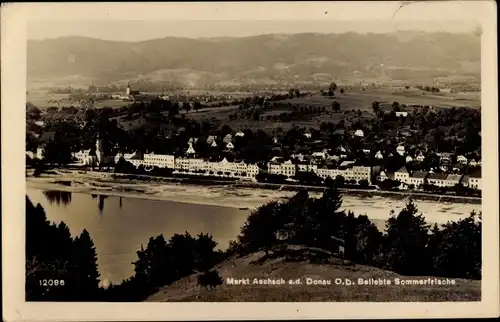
(260, 58)
(252, 266)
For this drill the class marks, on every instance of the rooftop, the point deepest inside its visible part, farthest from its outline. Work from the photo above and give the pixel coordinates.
(438, 176)
(419, 174)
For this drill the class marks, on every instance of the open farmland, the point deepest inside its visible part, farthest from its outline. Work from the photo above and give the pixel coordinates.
(349, 101)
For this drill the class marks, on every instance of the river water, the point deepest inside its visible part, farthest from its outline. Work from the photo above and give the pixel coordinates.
(120, 225)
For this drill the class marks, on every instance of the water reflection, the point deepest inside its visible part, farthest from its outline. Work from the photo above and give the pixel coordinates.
(100, 203)
(58, 197)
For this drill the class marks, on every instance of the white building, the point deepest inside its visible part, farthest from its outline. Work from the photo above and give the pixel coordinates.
(402, 175)
(475, 181)
(84, 157)
(230, 146)
(159, 160)
(359, 133)
(240, 134)
(462, 159)
(403, 114)
(400, 150)
(379, 155)
(437, 179)
(409, 159)
(288, 169)
(420, 158)
(452, 180)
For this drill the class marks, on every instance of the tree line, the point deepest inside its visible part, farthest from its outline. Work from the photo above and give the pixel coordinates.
(409, 246)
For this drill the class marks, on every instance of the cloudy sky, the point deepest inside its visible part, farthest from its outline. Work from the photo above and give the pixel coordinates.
(135, 22)
(143, 30)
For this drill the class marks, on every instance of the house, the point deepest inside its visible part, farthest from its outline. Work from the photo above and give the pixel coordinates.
(473, 163)
(345, 164)
(400, 150)
(210, 139)
(462, 159)
(342, 149)
(240, 134)
(361, 173)
(193, 141)
(359, 133)
(366, 148)
(213, 144)
(318, 155)
(420, 158)
(227, 138)
(384, 176)
(409, 159)
(417, 178)
(85, 157)
(288, 169)
(159, 160)
(453, 179)
(308, 134)
(403, 114)
(230, 146)
(465, 181)
(444, 157)
(190, 150)
(475, 181)
(379, 155)
(437, 179)
(402, 175)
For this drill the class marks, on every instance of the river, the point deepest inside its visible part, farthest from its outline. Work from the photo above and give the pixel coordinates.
(120, 225)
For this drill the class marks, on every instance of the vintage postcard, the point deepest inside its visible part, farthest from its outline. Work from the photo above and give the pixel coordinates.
(284, 160)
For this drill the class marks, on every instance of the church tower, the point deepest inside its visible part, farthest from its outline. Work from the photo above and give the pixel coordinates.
(128, 90)
(99, 151)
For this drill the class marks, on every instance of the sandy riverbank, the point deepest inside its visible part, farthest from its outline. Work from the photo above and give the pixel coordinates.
(375, 207)
(224, 196)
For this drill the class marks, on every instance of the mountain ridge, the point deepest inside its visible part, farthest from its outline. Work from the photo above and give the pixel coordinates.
(301, 55)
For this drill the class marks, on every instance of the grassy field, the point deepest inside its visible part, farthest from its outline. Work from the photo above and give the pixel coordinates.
(256, 266)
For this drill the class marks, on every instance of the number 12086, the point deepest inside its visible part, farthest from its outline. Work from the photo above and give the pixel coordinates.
(51, 282)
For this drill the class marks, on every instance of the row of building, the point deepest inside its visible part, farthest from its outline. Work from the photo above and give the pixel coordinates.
(419, 178)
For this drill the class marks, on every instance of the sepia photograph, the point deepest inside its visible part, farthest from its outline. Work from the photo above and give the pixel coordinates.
(315, 159)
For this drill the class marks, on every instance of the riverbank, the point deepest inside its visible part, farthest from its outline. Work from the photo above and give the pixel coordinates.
(376, 207)
(118, 178)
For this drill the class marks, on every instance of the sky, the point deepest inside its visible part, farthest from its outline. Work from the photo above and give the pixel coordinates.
(138, 30)
(143, 21)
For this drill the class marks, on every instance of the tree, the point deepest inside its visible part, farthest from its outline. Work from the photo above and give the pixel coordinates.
(210, 279)
(335, 106)
(363, 183)
(396, 107)
(406, 240)
(339, 181)
(261, 228)
(376, 107)
(291, 92)
(32, 112)
(332, 87)
(297, 93)
(85, 265)
(457, 251)
(342, 91)
(186, 106)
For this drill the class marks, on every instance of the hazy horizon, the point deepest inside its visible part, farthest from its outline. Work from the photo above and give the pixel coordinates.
(146, 30)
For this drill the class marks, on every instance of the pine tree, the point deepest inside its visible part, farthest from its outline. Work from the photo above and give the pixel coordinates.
(85, 270)
(406, 240)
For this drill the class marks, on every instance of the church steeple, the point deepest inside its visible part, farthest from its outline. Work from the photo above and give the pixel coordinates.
(128, 89)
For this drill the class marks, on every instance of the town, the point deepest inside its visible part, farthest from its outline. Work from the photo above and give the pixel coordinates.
(360, 155)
